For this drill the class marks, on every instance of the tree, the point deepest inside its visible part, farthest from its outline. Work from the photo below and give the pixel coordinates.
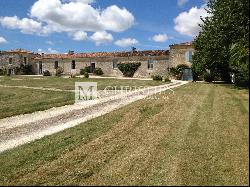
(227, 25)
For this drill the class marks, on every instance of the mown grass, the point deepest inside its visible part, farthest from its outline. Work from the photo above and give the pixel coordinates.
(15, 101)
(198, 136)
(69, 83)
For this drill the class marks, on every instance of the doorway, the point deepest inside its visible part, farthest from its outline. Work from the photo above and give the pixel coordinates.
(40, 68)
(92, 67)
(187, 75)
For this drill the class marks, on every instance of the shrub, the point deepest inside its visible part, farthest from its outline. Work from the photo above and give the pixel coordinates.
(46, 73)
(239, 64)
(3, 72)
(59, 71)
(157, 78)
(98, 71)
(86, 69)
(25, 69)
(86, 75)
(177, 71)
(128, 69)
(208, 77)
(17, 71)
(167, 79)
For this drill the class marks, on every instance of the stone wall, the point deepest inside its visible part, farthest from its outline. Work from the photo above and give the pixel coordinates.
(178, 54)
(4, 61)
(17, 60)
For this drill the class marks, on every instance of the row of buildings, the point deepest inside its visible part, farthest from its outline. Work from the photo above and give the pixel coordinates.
(153, 62)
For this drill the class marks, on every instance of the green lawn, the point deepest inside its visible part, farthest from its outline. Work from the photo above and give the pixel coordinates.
(15, 101)
(69, 83)
(199, 136)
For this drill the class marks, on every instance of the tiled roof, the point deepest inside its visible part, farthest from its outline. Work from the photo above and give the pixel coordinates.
(109, 54)
(19, 51)
(185, 43)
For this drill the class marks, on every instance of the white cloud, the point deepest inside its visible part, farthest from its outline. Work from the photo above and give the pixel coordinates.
(80, 16)
(101, 37)
(187, 23)
(160, 38)
(80, 36)
(2, 40)
(48, 51)
(70, 16)
(115, 19)
(50, 42)
(182, 2)
(126, 42)
(26, 25)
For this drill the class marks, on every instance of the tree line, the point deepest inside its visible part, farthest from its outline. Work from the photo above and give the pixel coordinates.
(222, 46)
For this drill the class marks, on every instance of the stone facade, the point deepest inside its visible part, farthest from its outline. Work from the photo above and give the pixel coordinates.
(179, 54)
(107, 64)
(10, 60)
(157, 62)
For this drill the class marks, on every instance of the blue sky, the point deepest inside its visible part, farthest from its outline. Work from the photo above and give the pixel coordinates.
(145, 24)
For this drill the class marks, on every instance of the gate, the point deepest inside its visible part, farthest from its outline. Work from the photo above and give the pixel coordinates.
(187, 75)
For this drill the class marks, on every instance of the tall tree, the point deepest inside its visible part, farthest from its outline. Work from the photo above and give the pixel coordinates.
(228, 24)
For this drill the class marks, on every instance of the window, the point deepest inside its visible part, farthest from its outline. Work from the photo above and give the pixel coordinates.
(10, 60)
(25, 60)
(150, 64)
(115, 64)
(40, 67)
(189, 56)
(73, 64)
(56, 64)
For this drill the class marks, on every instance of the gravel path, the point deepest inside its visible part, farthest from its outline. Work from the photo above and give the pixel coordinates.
(18, 130)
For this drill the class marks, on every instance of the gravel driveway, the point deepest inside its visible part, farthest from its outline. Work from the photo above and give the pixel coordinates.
(18, 130)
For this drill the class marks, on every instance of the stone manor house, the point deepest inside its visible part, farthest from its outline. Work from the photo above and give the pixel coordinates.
(154, 62)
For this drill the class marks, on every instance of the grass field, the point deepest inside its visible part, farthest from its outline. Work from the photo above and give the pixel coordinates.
(199, 136)
(69, 83)
(15, 101)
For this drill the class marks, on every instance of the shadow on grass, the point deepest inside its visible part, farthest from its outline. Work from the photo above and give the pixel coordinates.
(232, 86)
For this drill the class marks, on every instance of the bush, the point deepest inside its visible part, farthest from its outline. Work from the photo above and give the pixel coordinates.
(157, 78)
(86, 75)
(167, 79)
(98, 71)
(3, 72)
(208, 77)
(86, 69)
(128, 69)
(59, 71)
(177, 71)
(46, 73)
(239, 64)
(25, 70)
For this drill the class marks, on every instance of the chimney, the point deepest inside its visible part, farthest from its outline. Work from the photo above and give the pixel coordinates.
(71, 52)
(133, 49)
